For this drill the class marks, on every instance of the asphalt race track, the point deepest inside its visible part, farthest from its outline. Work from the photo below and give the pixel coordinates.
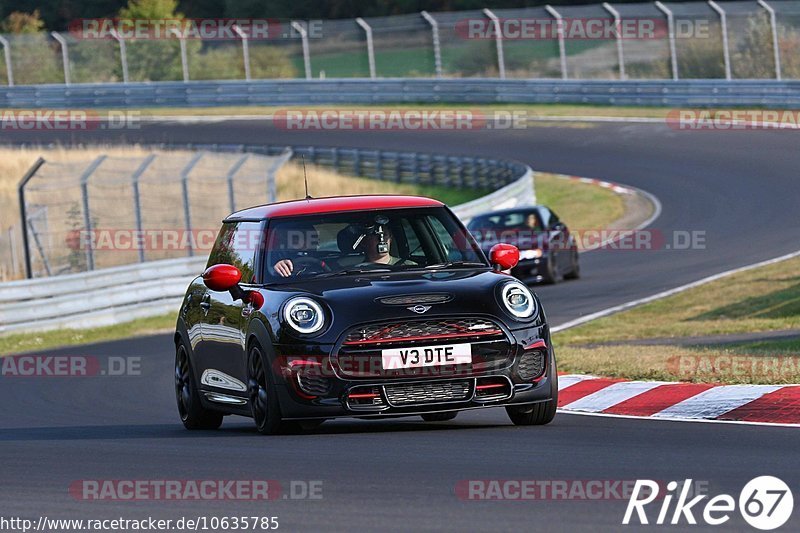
(740, 187)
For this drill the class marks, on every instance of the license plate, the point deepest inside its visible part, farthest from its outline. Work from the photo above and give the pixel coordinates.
(422, 356)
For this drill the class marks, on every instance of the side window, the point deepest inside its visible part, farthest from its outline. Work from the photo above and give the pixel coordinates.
(553, 219)
(544, 213)
(237, 244)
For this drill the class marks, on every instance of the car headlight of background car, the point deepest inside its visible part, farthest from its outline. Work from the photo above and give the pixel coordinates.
(530, 254)
(304, 315)
(518, 300)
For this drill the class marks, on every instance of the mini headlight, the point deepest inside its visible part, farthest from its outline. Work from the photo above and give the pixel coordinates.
(530, 254)
(518, 300)
(304, 315)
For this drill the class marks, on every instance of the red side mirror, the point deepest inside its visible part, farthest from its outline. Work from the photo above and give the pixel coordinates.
(222, 278)
(504, 256)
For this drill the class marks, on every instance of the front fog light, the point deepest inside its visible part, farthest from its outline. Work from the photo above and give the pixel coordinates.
(304, 315)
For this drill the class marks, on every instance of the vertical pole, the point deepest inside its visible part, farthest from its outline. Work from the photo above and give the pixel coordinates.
(304, 42)
(12, 242)
(723, 19)
(618, 28)
(137, 204)
(272, 172)
(187, 212)
(123, 55)
(7, 55)
(64, 55)
(562, 47)
(245, 51)
(437, 45)
(370, 46)
(233, 170)
(498, 40)
(673, 54)
(23, 214)
(184, 57)
(87, 219)
(775, 49)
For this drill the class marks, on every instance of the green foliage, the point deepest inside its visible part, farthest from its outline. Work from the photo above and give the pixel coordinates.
(18, 22)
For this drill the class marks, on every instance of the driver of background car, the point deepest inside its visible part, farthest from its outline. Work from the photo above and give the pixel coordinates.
(294, 241)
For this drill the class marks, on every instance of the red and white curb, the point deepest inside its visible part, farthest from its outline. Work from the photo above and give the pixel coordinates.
(616, 187)
(764, 404)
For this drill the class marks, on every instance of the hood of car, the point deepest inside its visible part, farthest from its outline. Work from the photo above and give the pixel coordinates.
(359, 299)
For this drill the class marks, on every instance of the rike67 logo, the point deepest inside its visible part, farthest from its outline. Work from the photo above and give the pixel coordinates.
(765, 503)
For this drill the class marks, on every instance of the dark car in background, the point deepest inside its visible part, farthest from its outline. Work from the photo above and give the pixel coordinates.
(547, 249)
(369, 306)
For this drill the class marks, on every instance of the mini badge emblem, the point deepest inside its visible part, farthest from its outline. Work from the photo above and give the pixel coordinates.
(419, 309)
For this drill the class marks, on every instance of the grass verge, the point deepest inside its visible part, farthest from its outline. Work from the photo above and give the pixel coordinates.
(760, 300)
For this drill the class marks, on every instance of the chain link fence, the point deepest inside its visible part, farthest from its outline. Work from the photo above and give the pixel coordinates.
(119, 210)
(699, 40)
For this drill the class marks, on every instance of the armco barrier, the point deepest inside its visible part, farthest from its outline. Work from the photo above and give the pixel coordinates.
(110, 296)
(764, 93)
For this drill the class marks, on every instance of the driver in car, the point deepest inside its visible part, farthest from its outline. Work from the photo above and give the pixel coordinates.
(297, 240)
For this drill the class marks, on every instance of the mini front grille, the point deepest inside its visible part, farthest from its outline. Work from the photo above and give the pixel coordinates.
(365, 398)
(531, 365)
(423, 330)
(416, 299)
(418, 393)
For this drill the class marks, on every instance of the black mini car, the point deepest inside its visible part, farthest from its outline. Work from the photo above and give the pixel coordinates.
(363, 306)
(548, 250)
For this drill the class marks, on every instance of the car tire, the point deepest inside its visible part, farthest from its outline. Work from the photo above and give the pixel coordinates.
(439, 417)
(575, 271)
(192, 413)
(537, 414)
(261, 393)
(549, 277)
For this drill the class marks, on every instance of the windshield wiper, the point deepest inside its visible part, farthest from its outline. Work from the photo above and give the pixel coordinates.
(351, 271)
(454, 264)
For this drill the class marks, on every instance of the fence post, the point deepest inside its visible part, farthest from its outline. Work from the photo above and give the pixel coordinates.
(64, 55)
(12, 243)
(618, 27)
(673, 54)
(137, 204)
(726, 53)
(184, 57)
(304, 42)
(562, 47)
(245, 51)
(87, 219)
(123, 54)
(498, 40)
(370, 46)
(23, 215)
(437, 45)
(7, 55)
(231, 172)
(187, 212)
(775, 50)
(272, 188)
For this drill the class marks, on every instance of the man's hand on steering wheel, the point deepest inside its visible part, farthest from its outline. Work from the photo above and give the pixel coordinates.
(285, 267)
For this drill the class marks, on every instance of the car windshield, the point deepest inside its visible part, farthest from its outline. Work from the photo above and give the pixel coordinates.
(313, 246)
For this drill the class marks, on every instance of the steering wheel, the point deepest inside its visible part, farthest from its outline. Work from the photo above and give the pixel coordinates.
(310, 265)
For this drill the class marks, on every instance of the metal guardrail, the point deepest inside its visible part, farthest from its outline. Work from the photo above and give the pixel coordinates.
(779, 94)
(113, 295)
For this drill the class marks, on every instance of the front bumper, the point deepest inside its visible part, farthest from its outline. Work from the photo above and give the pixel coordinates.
(339, 396)
(530, 269)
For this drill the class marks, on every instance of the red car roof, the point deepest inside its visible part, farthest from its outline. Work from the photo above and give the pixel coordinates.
(334, 204)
